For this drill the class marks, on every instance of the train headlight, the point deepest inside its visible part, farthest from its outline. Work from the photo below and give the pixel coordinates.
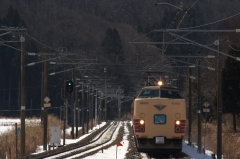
(141, 122)
(177, 122)
(160, 83)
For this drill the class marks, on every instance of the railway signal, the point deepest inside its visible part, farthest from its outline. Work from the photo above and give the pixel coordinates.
(69, 86)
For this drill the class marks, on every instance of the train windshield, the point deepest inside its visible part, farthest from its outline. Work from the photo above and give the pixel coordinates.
(149, 94)
(160, 93)
(170, 94)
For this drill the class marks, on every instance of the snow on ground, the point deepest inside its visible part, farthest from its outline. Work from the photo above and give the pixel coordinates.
(5, 128)
(112, 151)
(192, 151)
(69, 141)
(7, 124)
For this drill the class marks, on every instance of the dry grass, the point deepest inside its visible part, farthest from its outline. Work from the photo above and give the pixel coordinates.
(230, 140)
(34, 137)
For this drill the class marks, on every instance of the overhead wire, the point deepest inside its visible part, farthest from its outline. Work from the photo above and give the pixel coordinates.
(212, 22)
(40, 42)
(170, 25)
(142, 36)
(31, 38)
(173, 22)
(186, 13)
(181, 22)
(11, 47)
(232, 48)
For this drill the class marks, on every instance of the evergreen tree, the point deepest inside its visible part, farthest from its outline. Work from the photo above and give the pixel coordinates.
(231, 86)
(15, 19)
(22, 24)
(1, 22)
(8, 17)
(118, 45)
(112, 45)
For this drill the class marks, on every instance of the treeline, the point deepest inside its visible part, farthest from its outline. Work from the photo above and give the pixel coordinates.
(105, 28)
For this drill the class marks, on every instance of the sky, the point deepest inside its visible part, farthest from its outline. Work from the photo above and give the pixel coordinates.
(113, 151)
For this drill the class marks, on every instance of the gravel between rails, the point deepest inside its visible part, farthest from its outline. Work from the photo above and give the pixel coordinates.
(132, 150)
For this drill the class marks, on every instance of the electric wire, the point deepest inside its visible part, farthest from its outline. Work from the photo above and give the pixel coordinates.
(186, 13)
(165, 49)
(11, 47)
(211, 22)
(33, 87)
(40, 42)
(17, 50)
(232, 48)
(206, 60)
(29, 109)
(142, 36)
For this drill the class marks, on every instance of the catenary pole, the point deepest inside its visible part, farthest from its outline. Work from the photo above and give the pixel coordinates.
(45, 112)
(72, 104)
(105, 95)
(83, 110)
(64, 111)
(88, 107)
(199, 109)
(23, 99)
(76, 106)
(190, 106)
(219, 108)
(92, 104)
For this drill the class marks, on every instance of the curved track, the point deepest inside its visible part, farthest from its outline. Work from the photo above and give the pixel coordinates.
(94, 145)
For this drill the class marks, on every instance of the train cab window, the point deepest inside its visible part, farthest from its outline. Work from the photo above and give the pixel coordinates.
(170, 94)
(149, 94)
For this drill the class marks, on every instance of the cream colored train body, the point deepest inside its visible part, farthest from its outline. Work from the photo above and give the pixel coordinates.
(159, 120)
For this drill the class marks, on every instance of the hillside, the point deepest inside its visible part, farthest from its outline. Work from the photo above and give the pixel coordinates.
(81, 27)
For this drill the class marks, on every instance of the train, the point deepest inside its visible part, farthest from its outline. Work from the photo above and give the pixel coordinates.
(159, 120)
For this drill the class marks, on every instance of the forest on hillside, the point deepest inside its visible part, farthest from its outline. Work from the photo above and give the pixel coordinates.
(103, 30)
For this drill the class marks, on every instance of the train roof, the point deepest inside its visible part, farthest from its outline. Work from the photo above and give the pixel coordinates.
(159, 87)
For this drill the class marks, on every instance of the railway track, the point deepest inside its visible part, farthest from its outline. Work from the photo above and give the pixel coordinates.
(99, 141)
(96, 144)
(66, 148)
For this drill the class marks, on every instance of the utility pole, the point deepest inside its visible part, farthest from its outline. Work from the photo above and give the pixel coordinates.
(96, 109)
(178, 80)
(199, 109)
(42, 97)
(105, 95)
(23, 99)
(92, 103)
(9, 94)
(72, 104)
(219, 108)
(76, 106)
(83, 129)
(163, 45)
(100, 108)
(45, 113)
(88, 107)
(119, 103)
(190, 106)
(119, 94)
(64, 111)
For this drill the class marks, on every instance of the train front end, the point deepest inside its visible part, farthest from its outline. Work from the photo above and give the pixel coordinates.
(159, 120)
